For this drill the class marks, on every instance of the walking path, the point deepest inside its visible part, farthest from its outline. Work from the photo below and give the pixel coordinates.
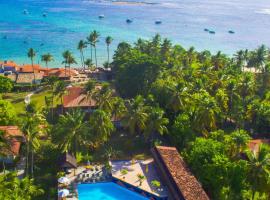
(27, 99)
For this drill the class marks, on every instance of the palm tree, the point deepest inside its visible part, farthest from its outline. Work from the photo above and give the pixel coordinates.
(71, 131)
(69, 59)
(259, 58)
(60, 91)
(156, 122)
(94, 42)
(32, 54)
(90, 89)
(47, 58)
(141, 178)
(118, 108)
(101, 127)
(259, 169)
(31, 129)
(90, 41)
(240, 59)
(82, 45)
(66, 54)
(108, 41)
(165, 48)
(14, 188)
(103, 98)
(136, 115)
(89, 64)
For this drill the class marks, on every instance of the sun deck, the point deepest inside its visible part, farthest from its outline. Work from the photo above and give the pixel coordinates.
(133, 168)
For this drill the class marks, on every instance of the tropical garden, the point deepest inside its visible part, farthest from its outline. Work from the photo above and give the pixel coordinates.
(207, 105)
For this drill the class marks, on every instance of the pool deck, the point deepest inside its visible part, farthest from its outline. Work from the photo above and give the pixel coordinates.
(139, 167)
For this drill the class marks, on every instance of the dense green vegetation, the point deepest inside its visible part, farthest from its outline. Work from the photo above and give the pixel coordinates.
(208, 106)
(214, 107)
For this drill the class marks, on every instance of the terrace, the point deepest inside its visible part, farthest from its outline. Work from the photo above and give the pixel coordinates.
(145, 168)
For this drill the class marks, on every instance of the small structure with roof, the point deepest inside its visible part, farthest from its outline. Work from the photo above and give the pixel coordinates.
(182, 184)
(15, 137)
(67, 161)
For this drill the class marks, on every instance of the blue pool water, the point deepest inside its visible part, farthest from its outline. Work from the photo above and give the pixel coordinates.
(106, 191)
(183, 21)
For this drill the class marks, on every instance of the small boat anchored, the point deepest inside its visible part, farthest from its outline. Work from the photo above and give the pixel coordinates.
(25, 12)
(231, 32)
(212, 32)
(158, 22)
(101, 16)
(44, 14)
(129, 21)
(206, 30)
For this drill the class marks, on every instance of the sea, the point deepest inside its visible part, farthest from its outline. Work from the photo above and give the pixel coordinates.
(53, 26)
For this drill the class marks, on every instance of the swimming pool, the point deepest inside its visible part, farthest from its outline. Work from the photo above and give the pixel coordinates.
(106, 191)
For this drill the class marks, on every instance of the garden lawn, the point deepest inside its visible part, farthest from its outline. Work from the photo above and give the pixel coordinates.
(17, 99)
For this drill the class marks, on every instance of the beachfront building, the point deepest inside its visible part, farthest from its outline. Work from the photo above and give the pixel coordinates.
(15, 138)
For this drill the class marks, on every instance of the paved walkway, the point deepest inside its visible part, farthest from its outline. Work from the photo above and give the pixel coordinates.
(27, 99)
(144, 167)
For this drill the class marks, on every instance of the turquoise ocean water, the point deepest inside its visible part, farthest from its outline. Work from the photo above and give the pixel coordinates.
(183, 21)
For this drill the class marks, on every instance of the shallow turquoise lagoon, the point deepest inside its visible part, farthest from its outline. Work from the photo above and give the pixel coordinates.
(106, 191)
(183, 21)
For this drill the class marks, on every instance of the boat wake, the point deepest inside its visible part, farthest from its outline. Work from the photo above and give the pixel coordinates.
(265, 11)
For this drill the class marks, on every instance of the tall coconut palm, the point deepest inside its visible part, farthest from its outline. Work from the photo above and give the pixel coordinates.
(71, 131)
(240, 59)
(136, 115)
(108, 41)
(66, 54)
(95, 41)
(90, 41)
(69, 59)
(89, 64)
(60, 91)
(259, 58)
(31, 129)
(156, 122)
(47, 58)
(101, 127)
(259, 170)
(32, 54)
(90, 90)
(81, 46)
(103, 98)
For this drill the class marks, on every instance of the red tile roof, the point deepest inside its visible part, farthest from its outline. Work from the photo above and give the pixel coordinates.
(12, 133)
(9, 63)
(61, 72)
(29, 68)
(186, 182)
(77, 98)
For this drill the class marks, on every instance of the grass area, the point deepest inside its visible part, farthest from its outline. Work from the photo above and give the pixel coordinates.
(17, 99)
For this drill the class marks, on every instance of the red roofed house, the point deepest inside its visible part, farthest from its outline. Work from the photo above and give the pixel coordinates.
(76, 98)
(15, 137)
(182, 184)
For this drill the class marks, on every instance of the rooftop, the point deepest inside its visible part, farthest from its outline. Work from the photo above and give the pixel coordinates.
(12, 133)
(77, 98)
(178, 175)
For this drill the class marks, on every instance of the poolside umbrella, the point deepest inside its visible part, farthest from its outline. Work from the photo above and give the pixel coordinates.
(63, 193)
(63, 180)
